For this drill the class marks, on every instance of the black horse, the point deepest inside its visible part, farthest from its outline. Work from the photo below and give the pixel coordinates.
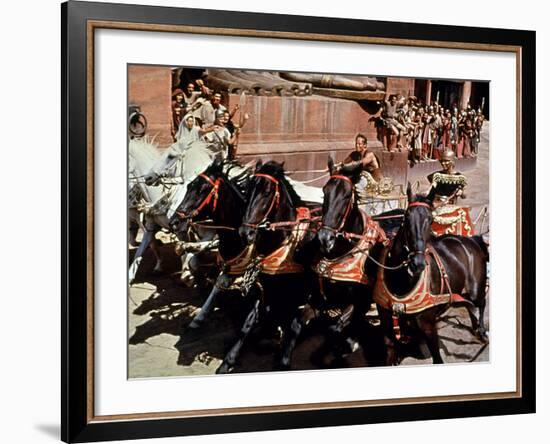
(272, 224)
(212, 194)
(422, 275)
(345, 242)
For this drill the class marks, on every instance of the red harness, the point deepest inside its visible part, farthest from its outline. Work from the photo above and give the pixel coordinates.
(212, 196)
(274, 201)
(237, 265)
(350, 203)
(420, 298)
(351, 266)
(281, 261)
(420, 204)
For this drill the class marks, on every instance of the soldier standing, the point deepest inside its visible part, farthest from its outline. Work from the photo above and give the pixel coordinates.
(390, 114)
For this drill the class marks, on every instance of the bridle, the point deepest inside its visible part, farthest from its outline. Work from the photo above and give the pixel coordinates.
(349, 207)
(415, 252)
(211, 197)
(420, 204)
(274, 204)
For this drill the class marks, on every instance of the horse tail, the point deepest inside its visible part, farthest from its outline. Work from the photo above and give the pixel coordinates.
(482, 245)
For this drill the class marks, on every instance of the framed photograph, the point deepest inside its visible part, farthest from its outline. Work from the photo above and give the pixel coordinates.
(276, 222)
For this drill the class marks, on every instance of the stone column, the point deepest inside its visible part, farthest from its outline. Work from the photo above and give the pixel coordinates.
(428, 98)
(466, 93)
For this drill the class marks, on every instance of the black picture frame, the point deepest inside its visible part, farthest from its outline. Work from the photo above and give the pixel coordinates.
(78, 423)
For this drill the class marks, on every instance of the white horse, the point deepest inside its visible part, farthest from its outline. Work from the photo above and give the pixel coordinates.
(157, 185)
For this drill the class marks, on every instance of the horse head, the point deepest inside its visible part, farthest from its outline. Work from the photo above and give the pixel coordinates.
(201, 198)
(338, 201)
(416, 230)
(270, 198)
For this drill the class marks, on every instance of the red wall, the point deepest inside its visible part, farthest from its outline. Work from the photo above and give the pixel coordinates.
(302, 131)
(150, 88)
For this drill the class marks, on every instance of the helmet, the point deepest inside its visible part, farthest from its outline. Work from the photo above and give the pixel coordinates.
(448, 156)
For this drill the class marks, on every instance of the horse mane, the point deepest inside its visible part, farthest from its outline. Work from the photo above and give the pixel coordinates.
(241, 180)
(143, 153)
(276, 170)
(238, 183)
(352, 170)
(422, 198)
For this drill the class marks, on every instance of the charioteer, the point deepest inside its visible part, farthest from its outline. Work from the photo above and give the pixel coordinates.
(447, 185)
(371, 173)
(368, 159)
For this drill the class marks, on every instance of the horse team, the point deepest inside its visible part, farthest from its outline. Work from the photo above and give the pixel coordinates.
(299, 264)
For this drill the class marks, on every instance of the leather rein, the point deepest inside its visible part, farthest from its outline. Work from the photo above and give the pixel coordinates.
(349, 236)
(339, 230)
(415, 252)
(411, 254)
(211, 197)
(274, 205)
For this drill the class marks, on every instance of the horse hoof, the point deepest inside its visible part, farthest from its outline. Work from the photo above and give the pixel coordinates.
(187, 280)
(353, 345)
(282, 366)
(483, 337)
(195, 324)
(223, 369)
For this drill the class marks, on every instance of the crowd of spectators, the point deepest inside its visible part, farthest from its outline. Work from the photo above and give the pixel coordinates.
(198, 114)
(427, 130)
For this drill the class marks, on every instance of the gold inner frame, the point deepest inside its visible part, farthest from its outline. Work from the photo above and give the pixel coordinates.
(92, 25)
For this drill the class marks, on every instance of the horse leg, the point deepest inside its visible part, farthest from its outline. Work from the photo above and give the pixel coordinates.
(427, 325)
(337, 332)
(147, 239)
(473, 318)
(186, 276)
(156, 251)
(390, 341)
(133, 228)
(335, 341)
(482, 331)
(231, 358)
(296, 328)
(478, 297)
(478, 323)
(223, 281)
(202, 265)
